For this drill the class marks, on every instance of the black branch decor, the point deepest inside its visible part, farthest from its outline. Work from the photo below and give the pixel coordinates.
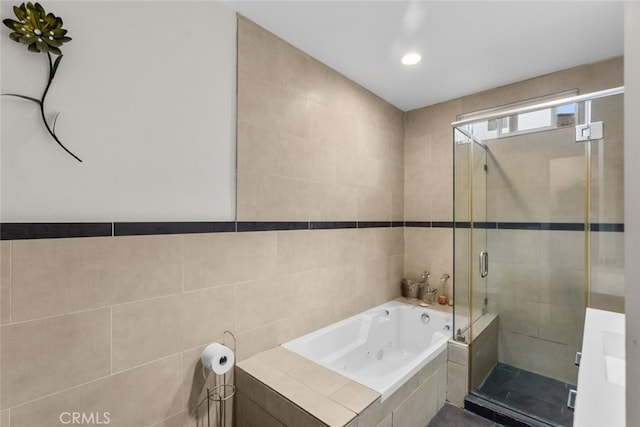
(42, 32)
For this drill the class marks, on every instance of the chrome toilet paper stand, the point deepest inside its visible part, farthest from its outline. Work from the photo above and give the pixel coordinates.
(220, 393)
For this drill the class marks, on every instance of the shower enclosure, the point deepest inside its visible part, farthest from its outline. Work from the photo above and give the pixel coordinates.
(538, 238)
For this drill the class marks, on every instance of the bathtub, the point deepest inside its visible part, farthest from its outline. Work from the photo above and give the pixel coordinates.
(380, 348)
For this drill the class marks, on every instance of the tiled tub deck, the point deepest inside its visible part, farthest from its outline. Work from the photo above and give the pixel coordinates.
(280, 388)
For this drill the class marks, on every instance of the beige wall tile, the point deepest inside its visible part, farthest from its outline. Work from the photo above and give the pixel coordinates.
(317, 289)
(457, 387)
(374, 205)
(440, 361)
(5, 282)
(249, 414)
(420, 407)
(372, 415)
(44, 356)
(145, 267)
(145, 331)
(325, 129)
(288, 413)
(262, 302)
(332, 202)
(458, 353)
(60, 276)
(178, 420)
(256, 52)
(484, 360)
(400, 395)
(258, 149)
(51, 277)
(254, 341)
(206, 315)
(428, 249)
(306, 250)
(115, 395)
(355, 397)
(317, 377)
(224, 258)
(298, 158)
(281, 385)
(252, 388)
(96, 397)
(144, 383)
(272, 198)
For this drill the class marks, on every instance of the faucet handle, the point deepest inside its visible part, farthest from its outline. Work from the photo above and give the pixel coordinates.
(444, 277)
(425, 276)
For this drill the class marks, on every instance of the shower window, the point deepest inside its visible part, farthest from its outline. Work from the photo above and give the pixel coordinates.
(520, 124)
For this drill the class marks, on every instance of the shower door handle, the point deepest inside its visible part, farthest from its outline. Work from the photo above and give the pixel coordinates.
(484, 263)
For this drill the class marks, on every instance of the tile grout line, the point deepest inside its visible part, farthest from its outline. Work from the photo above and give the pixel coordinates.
(46, 396)
(111, 339)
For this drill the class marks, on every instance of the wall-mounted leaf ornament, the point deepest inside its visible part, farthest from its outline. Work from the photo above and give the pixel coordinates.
(42, 32)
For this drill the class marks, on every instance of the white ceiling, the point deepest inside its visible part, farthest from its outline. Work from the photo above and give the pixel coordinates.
(467, 46)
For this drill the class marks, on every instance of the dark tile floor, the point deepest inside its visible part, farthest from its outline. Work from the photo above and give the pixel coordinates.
(452, 416)
(532, 394)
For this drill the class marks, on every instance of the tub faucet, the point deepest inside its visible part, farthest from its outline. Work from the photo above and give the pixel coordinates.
(425, 279)
(427, 289)
(431, 295)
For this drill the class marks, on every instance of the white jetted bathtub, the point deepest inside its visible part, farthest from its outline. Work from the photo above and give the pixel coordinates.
(380, 348)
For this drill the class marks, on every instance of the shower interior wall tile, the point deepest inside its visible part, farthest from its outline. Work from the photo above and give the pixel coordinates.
(607, 183)
(515, 246)
(561, 249)
(531, 353)
(559, 323)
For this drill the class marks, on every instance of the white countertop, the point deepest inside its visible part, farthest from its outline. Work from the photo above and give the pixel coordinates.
(601, 378)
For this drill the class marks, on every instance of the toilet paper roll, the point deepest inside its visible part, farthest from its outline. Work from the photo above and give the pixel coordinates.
(218, 358)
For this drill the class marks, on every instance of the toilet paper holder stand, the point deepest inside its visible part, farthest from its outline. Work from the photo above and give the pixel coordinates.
(220, 393)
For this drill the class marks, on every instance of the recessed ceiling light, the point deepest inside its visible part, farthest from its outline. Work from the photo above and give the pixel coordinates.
(411, 58)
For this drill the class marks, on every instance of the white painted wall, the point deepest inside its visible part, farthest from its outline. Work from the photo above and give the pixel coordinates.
(632, 205)
(147, 103)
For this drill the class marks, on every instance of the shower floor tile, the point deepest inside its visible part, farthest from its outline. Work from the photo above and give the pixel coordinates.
(532, 394)
(452, 416)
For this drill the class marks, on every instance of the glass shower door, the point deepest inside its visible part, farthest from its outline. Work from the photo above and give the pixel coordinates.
(606, 207)
(470, 234)
(544, 198)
